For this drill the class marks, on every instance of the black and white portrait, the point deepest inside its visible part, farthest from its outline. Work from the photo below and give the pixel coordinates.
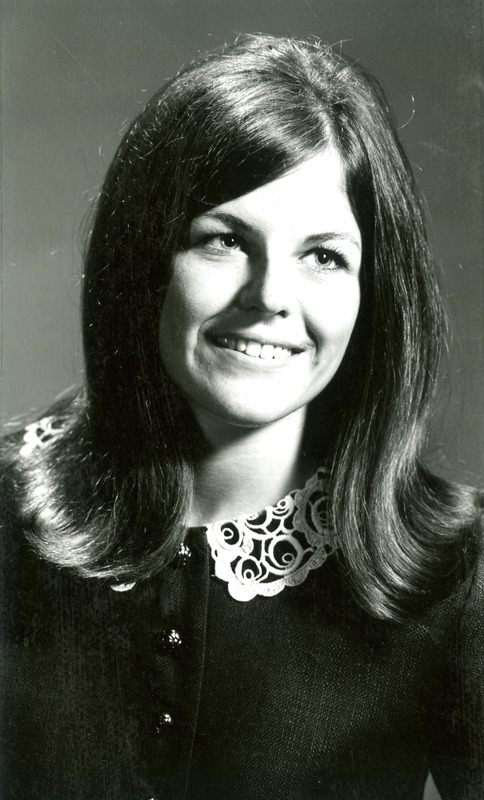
(242, 400)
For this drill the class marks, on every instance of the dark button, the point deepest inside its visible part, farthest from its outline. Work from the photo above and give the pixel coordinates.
(163, 721)
(164, 642)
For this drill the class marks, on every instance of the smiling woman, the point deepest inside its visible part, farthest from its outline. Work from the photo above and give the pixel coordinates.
(264, 298)
(223, 552)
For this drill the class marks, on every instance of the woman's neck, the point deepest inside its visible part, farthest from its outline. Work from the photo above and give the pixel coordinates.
(245, 469)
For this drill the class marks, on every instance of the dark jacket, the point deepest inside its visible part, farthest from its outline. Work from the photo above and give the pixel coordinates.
(175, 690)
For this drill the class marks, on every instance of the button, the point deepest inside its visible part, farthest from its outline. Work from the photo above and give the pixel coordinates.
(166, 641)
(183, 555)
(164, 721)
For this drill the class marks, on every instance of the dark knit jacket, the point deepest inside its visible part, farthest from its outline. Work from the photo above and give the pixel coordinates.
(175, 690)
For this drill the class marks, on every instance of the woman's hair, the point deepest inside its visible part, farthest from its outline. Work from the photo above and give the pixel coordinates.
(119, 479)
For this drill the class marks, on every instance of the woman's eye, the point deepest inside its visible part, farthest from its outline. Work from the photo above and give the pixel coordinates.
(229, 241)
(224, 242)
(328, 259)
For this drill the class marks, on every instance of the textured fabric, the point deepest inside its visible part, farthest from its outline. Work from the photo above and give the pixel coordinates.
(175, 690)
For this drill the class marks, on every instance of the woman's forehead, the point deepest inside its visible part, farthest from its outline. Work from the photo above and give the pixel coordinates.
(310, 195)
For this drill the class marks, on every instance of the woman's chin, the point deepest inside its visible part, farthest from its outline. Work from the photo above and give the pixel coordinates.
(242, 415)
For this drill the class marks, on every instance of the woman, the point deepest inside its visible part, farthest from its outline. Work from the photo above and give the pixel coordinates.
(260, 322)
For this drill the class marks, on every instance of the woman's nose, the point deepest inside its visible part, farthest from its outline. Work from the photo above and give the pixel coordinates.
(270, 286)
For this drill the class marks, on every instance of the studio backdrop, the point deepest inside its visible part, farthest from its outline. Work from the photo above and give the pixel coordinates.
(75, 72)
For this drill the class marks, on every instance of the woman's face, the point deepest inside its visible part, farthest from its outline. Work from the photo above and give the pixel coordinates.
(264, 298)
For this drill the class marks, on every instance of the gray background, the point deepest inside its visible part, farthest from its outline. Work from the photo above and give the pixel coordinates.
(74, 74)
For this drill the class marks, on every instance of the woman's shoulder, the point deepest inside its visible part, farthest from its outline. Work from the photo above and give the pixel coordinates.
(457, 540)
(474, 601)
(16, 557)
(475, 537)
(12, 484)
(29, 489)
(22, 465)
(30, 444)
(471, 583)
(33, 432)
(457, 738)
(460, 610)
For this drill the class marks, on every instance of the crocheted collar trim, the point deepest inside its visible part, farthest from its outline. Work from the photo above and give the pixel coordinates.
(258, 554)
(39, 434)
(262, 553)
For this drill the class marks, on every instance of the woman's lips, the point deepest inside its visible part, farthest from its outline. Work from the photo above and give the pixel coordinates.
(255, 349)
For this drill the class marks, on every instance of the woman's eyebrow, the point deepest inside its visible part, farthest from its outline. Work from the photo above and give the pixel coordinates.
(228, 219)
(321, 238)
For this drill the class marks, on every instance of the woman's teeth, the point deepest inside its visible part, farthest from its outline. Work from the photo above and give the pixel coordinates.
(254, 349)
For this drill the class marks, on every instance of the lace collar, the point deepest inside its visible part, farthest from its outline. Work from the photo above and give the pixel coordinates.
(262, 553)
(258, 554)
(39, 434)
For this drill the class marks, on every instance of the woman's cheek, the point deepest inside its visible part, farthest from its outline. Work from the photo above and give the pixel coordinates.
(332, 311)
